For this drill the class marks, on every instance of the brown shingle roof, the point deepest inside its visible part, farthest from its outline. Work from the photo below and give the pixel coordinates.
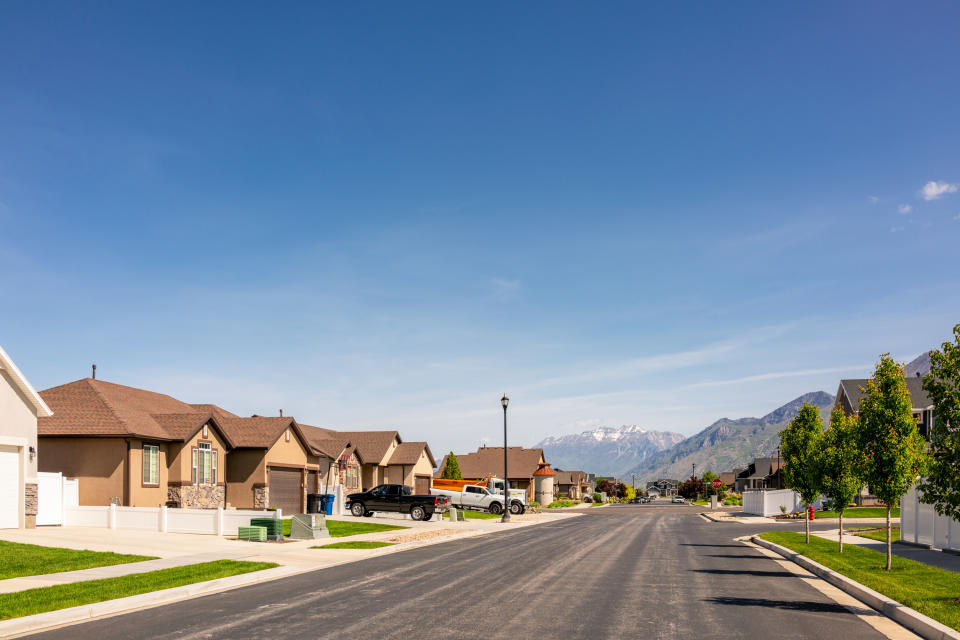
(410, 452)
(570, 477)
(488, 461)
(327, 442)
(372, 446)
(98, 408)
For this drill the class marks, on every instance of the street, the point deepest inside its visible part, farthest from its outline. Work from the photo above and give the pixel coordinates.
(625, 571)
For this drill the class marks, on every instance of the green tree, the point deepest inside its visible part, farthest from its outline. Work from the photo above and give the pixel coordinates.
(941, 487)
(800, 448)
(839, 458)
(451, 471)
(893, 453)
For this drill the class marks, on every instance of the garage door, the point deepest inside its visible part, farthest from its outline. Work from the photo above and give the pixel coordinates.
(286, 490)
(422, 487)
(9, 487)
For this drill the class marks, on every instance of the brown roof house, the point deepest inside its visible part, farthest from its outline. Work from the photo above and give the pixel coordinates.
(20, 407)
(140, 448)
(571, 484)
(488, 461)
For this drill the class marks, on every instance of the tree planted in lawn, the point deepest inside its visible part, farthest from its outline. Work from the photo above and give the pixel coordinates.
(800, 448)
(839, 463)
(451, 470)
(941, 487)
(892, 450)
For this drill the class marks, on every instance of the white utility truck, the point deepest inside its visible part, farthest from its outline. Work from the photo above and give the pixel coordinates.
(477, 497)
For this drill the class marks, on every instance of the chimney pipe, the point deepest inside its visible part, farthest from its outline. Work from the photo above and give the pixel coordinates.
(94, 372)
(281, 413)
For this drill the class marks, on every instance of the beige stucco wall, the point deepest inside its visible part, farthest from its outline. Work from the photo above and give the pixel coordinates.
(181, 456)
(246, 469)
(18, 420)
(98, 464)
(290, 453)
(146, 495)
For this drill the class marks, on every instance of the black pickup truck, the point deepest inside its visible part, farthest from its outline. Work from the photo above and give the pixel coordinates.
(395, 497)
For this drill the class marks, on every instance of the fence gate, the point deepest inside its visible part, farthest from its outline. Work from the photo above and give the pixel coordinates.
(49, 499)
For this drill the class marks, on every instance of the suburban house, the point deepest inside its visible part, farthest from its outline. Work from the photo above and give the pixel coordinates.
(663, 487)
(728, 478)
(20, 407)
(571, 484)
(488, 461)
(851, 392)
(762, 473)
(134, 447)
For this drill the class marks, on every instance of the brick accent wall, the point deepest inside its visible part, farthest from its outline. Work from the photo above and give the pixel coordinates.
(261, 497)
(198, 496)
(31, 502)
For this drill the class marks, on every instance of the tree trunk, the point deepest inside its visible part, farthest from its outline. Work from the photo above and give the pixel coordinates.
(806, 518)
(841, 532)
(889, 549)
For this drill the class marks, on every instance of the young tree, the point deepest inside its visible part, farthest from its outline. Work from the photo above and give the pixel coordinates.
(941, 487)
(839, 460)
(451, 471)
(800, 448)
(892, 451)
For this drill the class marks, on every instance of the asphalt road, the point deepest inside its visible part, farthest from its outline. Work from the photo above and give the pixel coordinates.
(631, 571)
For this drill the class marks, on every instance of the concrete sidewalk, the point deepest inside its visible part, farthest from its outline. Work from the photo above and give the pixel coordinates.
(179, 549)
(930, 557)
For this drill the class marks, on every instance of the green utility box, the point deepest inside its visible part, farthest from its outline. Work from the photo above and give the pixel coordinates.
(274, 526)
(253, 534)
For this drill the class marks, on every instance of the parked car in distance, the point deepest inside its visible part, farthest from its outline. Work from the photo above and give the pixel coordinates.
(637, 500)
(398, 498)
(677, 500)
(479, 498)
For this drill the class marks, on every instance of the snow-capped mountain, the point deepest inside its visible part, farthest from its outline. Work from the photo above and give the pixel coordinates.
(606, 450)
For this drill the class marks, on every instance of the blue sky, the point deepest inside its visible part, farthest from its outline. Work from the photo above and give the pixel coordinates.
(390, 214)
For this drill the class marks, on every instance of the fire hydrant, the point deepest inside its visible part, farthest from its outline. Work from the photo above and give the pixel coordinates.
(810, 512)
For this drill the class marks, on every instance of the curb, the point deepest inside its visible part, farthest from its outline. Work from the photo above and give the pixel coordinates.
(913, 620)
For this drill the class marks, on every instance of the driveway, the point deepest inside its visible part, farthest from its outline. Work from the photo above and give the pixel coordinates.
(616, 572)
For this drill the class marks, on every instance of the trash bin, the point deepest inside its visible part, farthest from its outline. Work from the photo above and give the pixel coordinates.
(326, 503)
(315, 503)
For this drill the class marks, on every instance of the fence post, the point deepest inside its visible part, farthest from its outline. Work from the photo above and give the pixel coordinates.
(219, 521)
(163, 519)
(112, 516)
(278, 514)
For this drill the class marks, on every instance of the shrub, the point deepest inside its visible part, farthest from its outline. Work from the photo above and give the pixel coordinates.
(597, 497)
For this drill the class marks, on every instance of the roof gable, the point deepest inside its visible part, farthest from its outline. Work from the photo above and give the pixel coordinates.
(410, 452)
(488, 461)
(20, 382)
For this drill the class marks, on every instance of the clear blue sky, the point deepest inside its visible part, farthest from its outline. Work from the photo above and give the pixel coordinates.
(388, 214)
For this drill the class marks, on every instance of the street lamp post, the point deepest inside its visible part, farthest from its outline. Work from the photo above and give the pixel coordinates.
(779, 474)
(506, 478)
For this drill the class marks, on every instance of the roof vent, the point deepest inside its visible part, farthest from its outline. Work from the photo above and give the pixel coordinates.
(94, 372)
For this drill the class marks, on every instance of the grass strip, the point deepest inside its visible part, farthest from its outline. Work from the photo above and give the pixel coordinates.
(476, 515)
(557, 504)
(860, 512)
(881, 535)
(355, 544)
(342, 528)
(74, 594)
(929, 590)
(18, 560)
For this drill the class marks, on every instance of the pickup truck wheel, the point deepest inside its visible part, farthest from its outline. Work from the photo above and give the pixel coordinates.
(357, 509)
(417, 512)
(516, 508)
(495, 508)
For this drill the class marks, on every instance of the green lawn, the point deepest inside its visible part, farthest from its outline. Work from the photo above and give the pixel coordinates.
(881, 535)
(341, 528)
(556, 504)
(476, 515)
(929, 590)
(18, 560)
(355, 544)
(861, 512)
(61, 596)
(597, 504)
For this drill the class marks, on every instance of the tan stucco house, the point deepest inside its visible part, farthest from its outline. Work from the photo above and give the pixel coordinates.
(20, 407)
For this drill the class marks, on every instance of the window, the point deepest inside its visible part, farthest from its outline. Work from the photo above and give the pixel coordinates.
(151, 464)
(353, 478)
(204, 464)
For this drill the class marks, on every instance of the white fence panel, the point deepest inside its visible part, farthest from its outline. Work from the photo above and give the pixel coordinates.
(144, 518)
(753, 502)
(71, 493)
(920, 524)
(86, 516)
(767, 502)
(192, 520)
(49, 499)
(908, 517)
(233, 518)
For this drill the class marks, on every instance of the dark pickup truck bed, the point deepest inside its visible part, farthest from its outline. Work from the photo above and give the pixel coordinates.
(398, 498)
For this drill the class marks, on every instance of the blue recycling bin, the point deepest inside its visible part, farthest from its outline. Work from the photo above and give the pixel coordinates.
(326, 503)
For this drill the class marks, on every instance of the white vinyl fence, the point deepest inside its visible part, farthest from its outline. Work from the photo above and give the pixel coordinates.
(767, 502)
(210, 521)
(49, 498)
(920, 524)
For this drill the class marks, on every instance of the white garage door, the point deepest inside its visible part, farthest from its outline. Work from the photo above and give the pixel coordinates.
(9, 487)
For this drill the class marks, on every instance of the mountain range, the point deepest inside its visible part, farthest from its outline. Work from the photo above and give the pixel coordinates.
(607, 450)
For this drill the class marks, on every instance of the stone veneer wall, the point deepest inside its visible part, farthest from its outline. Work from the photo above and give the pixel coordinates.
(205, 496)
(31, 504)
(261, 497)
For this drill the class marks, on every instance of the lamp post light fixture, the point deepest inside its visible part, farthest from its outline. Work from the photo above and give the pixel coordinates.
(506, 478)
